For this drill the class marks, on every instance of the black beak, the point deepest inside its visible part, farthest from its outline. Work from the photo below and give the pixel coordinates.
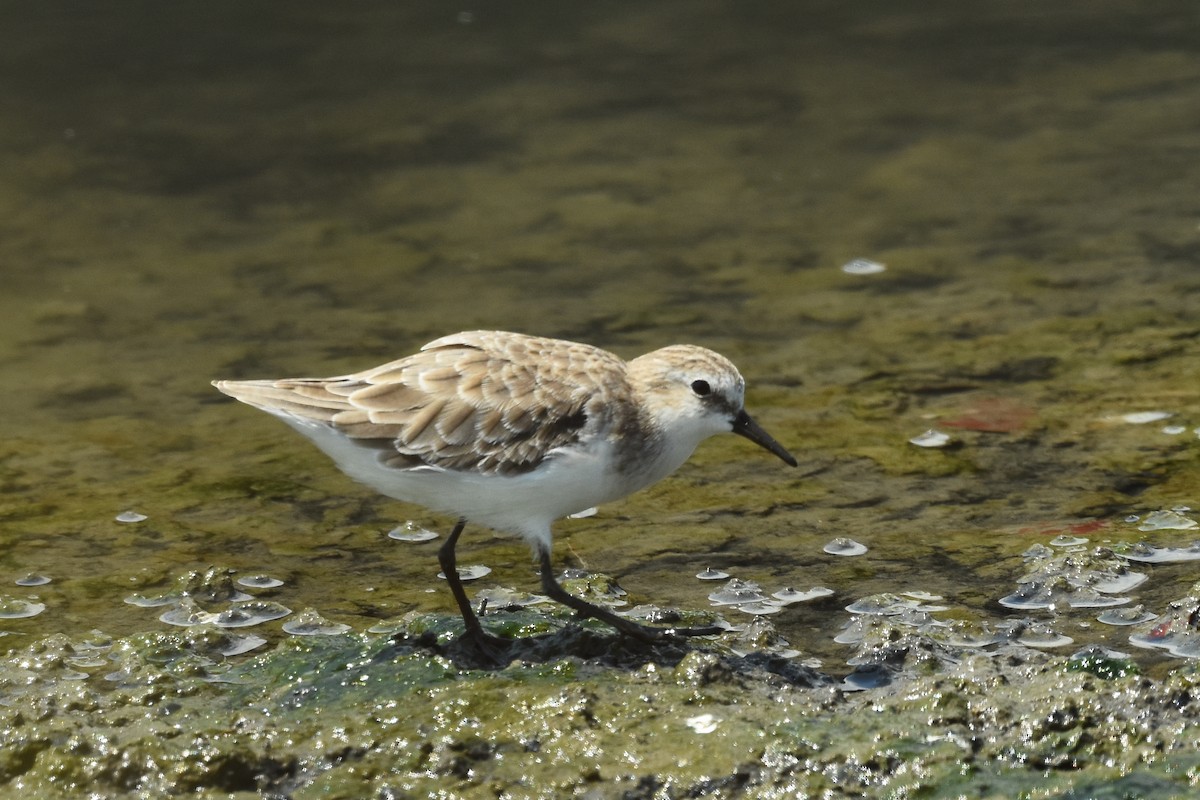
(743, 425)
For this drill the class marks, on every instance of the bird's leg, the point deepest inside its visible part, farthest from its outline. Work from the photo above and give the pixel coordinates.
(584, 609)
(448, 562)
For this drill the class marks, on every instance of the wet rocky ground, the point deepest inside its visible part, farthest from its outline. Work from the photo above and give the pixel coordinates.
(578, 713)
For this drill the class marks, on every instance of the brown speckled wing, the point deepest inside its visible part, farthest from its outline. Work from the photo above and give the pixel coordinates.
(479, 401)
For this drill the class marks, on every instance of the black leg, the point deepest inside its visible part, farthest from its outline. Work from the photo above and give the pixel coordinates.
(449, 563)
(584, 609)
(491, 649)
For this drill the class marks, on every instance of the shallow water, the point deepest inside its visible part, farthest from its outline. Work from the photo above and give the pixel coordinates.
(229, 191)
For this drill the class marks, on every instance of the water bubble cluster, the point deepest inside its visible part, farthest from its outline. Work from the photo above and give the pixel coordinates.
(214, 585)
(1072, 578)
(1070, 575)
(239, 615)
(890, 630)
(759, 636)
(737, 592)
(749, 598)
(1148, 554)
(1167, 519)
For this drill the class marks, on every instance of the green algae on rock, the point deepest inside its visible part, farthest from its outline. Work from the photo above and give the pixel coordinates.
(368, 716)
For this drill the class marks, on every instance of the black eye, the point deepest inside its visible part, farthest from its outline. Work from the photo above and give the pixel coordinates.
(701, 388)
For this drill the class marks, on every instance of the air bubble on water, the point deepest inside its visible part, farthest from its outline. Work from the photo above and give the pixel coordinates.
(411, 532)
(250, 612)
(1144, 417)
(310, 623)
(1147, 554)
(737, 593)
(130, 516)
(1029, 596)
(1134, 615)
(16, 608)
(471, 573)
(972, 636)
(142, 601)
(863, 266)
(931, 438)
(234, 644)
(259, 582)
(926, 597)
(32, 579)
(1132, 518)
(760, 608)
(1041, 636)
(186, 614)
(1119, 583)
(931, 609)
(710, 574)
(1157, 636)
(844, 547)
(1173, 631)
(1065, 540)
(1174, 430)
(789, 595)
(1167, 520)
(883, 604)
(1091, 598)
(502, 597)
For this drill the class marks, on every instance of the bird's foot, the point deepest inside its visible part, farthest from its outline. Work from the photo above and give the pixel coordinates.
(482, 647)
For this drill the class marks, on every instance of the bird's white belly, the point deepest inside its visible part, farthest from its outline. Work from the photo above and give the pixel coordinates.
(567, 482)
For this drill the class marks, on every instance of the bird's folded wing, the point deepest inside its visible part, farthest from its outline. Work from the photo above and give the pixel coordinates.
(472, 401)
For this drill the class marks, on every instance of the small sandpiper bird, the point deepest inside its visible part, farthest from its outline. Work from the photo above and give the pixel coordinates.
(514, 432)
